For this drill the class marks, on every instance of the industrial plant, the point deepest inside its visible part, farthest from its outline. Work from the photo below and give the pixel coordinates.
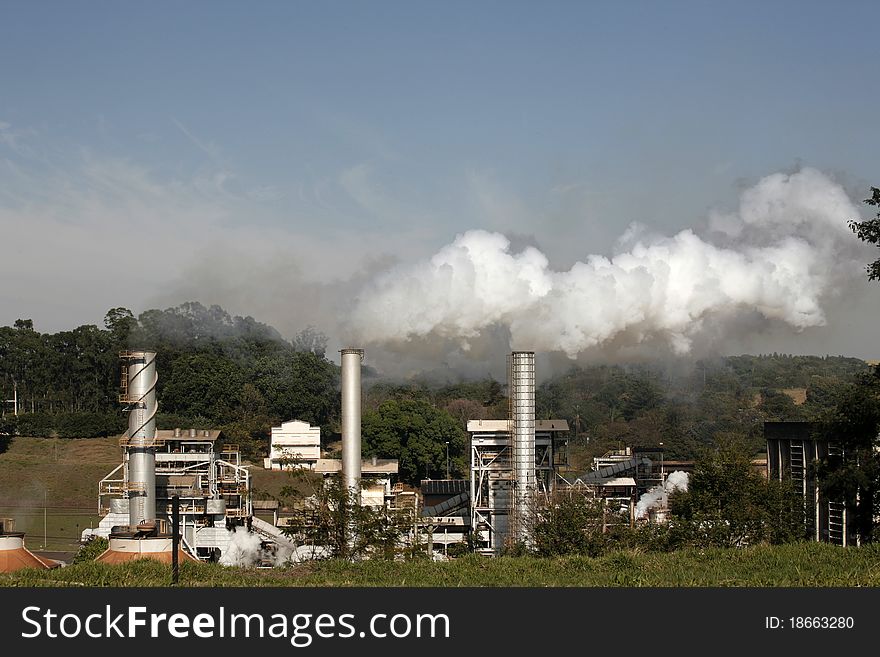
(185, 493)
(516, 464)
(206, 477)
(519, 463)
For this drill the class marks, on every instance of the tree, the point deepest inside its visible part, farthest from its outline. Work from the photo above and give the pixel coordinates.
(728, 504)
(416, 433)
(869, 231)
(312, 340)
(334, 525)
(572, 523)
(120, 322)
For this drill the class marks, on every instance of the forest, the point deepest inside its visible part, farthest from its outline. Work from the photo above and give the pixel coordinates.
(242, 376)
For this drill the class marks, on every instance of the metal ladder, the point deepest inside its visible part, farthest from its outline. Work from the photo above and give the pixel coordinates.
(836, 523)
(797, 466)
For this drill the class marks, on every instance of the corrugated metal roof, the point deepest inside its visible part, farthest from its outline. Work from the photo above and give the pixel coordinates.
(443, 486)
(619, 481)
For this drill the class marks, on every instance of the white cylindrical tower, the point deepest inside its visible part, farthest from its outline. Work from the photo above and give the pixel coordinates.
(140, 395)
(522, 437)
(351, 420)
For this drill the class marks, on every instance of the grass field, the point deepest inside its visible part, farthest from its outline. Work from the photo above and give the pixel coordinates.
(56, 472)
(799, 565)
(60, 476)
(63, 526)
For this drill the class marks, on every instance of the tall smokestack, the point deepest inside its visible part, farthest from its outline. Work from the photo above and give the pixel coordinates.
(522, 436)
(351, 420)
(140, 395)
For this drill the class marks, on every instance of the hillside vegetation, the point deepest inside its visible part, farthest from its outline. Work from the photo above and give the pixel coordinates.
(242, 376)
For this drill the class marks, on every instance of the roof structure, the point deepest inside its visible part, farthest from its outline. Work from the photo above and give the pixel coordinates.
(444, 486)
(474, 426)
(186, 434)
(15, 556)
(114, 556)
(123, 550)
(382, 466)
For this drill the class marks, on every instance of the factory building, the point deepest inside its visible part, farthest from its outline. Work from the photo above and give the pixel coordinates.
(295, 444)
(792, 450)
(376, 487)
(495, 510)
(445, 516)
(517, 465)
(204, 471)
(196, 465)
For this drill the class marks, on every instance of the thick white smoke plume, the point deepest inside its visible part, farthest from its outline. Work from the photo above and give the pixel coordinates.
(244, 549)
(777, 256)
(677, 480)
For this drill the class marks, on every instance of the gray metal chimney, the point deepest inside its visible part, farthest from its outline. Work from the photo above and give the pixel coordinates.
(522, 437)
(351, 420)
(140, 395)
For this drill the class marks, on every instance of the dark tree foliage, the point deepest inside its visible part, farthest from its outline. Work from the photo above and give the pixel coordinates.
(215, 370)
(91, 550)
(869, 231)
(575, 524)
(415, 432)
(853, 476)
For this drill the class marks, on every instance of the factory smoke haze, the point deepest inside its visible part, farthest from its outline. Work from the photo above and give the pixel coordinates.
(779, 256)
(659, 494)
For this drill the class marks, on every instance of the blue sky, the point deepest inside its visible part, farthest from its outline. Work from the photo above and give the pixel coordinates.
(263, 148)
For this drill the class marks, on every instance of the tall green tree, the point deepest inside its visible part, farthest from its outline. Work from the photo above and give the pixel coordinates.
(869, 231)
(415, 432)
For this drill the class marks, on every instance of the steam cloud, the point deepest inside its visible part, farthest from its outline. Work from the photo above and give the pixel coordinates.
(244, 549)
(785, 248)
(677, 480)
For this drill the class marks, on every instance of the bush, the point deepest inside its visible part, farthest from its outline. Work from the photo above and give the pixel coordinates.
(576, 524)
(35, 424)
(91, 550)
(89, 425)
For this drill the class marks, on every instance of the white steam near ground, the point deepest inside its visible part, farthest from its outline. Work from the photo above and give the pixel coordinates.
(777, 259)
(658, 495)
(246, 550)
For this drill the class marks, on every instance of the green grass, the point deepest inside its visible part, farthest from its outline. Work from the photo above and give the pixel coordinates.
(60, 475)
(63, 473)
(800, 565)
(62, 529)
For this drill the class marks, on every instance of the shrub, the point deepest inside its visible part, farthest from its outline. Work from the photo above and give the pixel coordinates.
(91, 550)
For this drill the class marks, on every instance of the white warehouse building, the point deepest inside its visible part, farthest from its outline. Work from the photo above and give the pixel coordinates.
(295, 444)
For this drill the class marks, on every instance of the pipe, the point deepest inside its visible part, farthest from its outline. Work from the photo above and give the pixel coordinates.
(141, 397)
(351, 421)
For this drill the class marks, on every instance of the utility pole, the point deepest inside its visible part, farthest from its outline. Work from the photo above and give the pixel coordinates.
(447, 459)
(45, 501)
